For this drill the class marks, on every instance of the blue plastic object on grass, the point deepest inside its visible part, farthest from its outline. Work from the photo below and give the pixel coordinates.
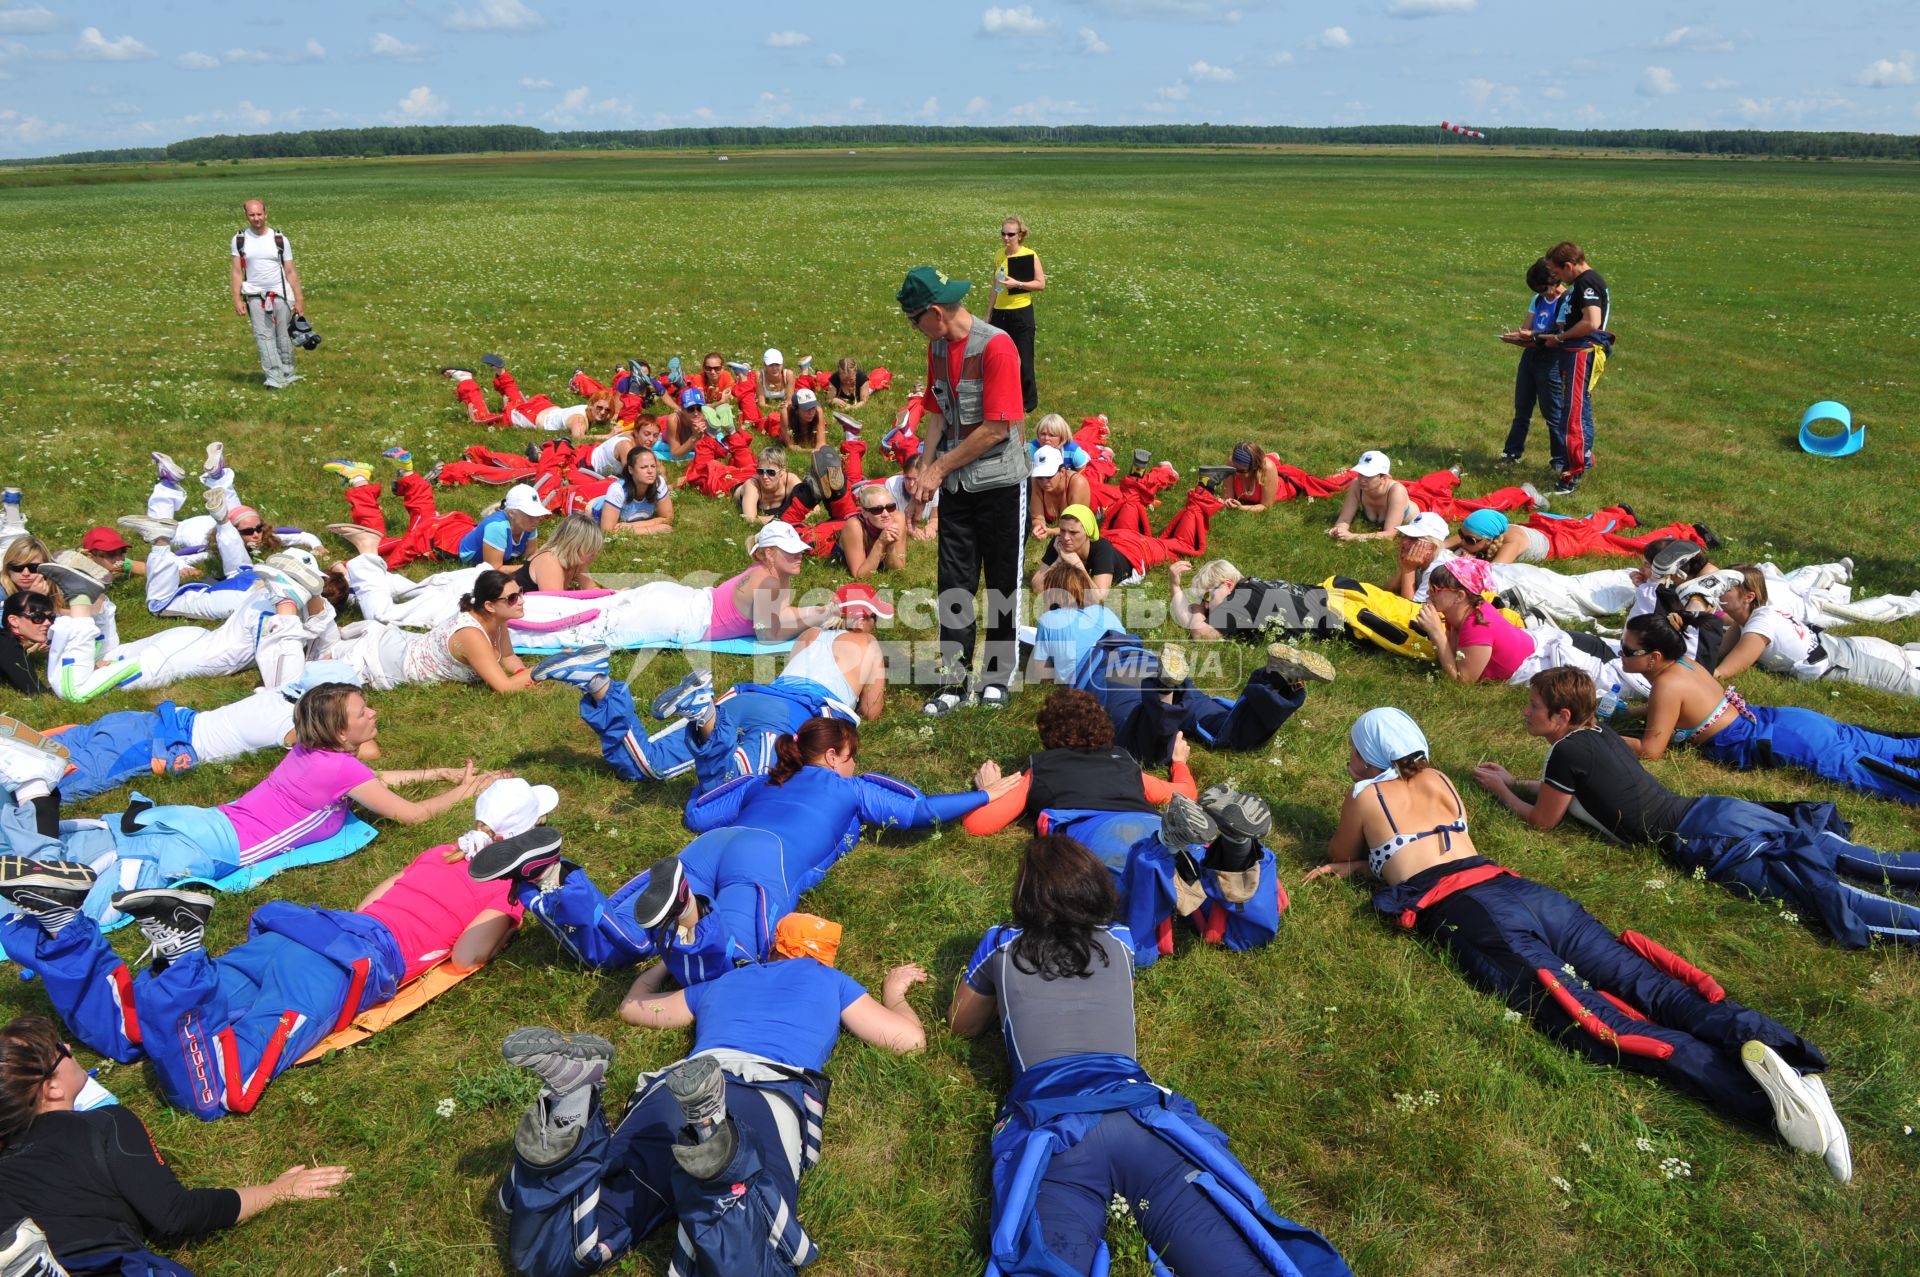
(1850, 440)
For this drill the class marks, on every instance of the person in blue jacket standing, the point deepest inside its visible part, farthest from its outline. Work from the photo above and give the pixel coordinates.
(1530, 381)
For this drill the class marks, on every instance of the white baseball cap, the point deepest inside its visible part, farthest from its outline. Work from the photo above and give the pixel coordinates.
(522, 499)
(1428, 526)
(510, 806)
(1046, 462)
(1371, 464)
(803, 398)
(780, 535)
(773, 357)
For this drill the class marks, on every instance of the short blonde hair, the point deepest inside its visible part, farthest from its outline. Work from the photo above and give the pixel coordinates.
(1053, 424)
(1213, 574)
(1018, 223)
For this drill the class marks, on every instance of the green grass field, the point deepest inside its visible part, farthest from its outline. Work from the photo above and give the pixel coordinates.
(1322, 304)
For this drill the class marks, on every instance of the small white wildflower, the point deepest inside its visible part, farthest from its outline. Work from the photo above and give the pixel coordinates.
(1568, 968)
(1700, 873)
(1674, 1168)
(1656, 884)
(1876, 977)
(1644, 1144)
(1789, 915)
(1514, 1017)
(1118, 1208)
(307, 1097)
(1586, 1148)
(1330, 1010)
(1560, 1182)
(1906, 1130)
(446, 1107)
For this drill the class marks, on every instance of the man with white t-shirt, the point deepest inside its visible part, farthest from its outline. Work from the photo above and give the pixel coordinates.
(266, 290)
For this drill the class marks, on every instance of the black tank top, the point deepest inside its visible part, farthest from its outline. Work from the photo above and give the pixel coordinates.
(1086, 779)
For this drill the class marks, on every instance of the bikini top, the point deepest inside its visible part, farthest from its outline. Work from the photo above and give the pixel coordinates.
(1681, 735)
(1377, 857)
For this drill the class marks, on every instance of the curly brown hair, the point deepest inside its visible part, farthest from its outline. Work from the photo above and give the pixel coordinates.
(1073, 719)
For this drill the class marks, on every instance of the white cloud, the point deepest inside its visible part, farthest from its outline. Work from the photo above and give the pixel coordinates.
(1335, 38)
(387, 46)
(35, 21)
(1043, 109)
(251, 114)
(1657, 82)
(528, 82)
(976, 105)
(1210, 73)
(1480, 90)
(573, 100)
(1429, 8)
(1791, 110)
(930, 108)
(494, 15)
(1284, 58)
(1015, 20)
(311, 51)
(1720, 85)
(1091, 43)
(1695, 39)
(1886, 72)
(1176, 92)
(422, 103)
(836, 60)
(94, 47)
(855, 104)
(196, 62)
(788, 40)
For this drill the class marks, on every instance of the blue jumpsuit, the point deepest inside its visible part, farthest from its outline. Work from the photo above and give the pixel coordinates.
(1625, 1001)
(216, 1030)
(615, 1187)
(1144, 725)
(126, 745)
(761, 845)
(747, 719)
(1873, 763)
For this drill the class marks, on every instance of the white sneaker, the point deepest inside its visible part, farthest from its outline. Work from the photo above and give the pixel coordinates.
(1799, 1116)
(1839, 1153)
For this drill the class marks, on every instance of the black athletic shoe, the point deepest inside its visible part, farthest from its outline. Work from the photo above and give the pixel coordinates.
(173, 919)
(664, 897)
(522, 858)
(1566, 487)
(42, 887)
(1707, 538)
(1239, 815)
(1632, 518)
(494, 361)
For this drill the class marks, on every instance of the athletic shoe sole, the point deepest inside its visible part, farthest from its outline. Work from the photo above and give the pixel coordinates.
(17, 730)
(20, 871)
(1238, 814)
(687, 691)
(149, 530)
(525, 856)
(1839, 1152)
(554, 1055)
(1297, 665)
(586, 661)
(143, 901)
(1187, 824)
(1536, 496)
(1796, 1113)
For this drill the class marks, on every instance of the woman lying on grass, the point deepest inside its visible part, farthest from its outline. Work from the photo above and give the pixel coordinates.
(1626, 1002)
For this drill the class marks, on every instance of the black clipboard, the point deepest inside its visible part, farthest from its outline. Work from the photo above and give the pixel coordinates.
(1020, 269)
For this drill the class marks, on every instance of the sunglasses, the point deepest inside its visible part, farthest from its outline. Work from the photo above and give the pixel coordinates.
(37, 618)
(1628, 653)
(28, 569)
(888, 508)
(767, 472)
(1009, 234)
(515, 597)
(254, 531)
(915, 317)
(716, 368)
(64, 1054)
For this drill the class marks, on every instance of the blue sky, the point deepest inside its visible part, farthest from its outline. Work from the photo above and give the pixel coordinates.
(106, 73)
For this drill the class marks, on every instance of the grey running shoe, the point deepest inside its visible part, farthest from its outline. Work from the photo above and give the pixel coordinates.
(564, 1061)
(1239, 816)
(1186, 823)
(691, 697)
(1536, 496)
(1297, 664)
(699, 1087)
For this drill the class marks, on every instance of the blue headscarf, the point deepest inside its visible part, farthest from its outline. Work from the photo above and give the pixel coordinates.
(1382, 737)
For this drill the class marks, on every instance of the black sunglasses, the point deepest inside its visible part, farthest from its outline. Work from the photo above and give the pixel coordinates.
(64, 1054)
(914, 318)
(888, 508)
(32, 569)
(515, 597)
(1628, 653)
(253, 531)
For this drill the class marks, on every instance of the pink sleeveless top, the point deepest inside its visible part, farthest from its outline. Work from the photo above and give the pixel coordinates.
(726, 622)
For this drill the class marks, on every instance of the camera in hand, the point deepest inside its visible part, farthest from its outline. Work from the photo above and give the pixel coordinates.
(301, 333)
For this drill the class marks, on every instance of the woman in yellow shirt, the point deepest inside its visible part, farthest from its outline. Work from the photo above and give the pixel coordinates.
(1013, 300)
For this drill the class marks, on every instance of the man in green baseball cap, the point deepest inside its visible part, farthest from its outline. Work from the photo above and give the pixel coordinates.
(978, 469)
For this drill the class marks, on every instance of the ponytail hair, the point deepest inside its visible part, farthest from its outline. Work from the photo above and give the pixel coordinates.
(1656, 632)
(29, 1053)
(816, 736)
(491, 584)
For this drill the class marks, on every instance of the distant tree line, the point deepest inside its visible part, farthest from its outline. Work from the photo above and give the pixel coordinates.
(452, 139)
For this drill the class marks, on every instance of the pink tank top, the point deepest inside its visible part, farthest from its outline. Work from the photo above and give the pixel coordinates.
(726, 622)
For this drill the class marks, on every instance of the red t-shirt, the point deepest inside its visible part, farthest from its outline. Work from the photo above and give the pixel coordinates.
(999, 375)
(432, 904)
